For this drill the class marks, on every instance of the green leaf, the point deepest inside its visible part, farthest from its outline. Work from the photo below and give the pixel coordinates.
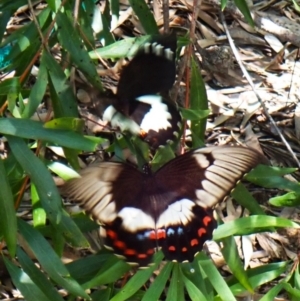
(10, 85)
(272, 292)
(194, 274)
(251, 224)
(161, 157)
(194, 115)
(145, 16)
(259, 276)
(8, 222)
(38, 278)
(138, 280)
(71, 41)
(63, 99)
(66, 123)
(37, 91)
(215, 277)
(45, 186)
(21, 280)
(270, 177)
(38, 213)
(34, 130)
(47, 191)
(110, 271)
(159, 284)
(233, 260)
(120, 49)
(290, 199)
(49, 261)
(194, 292)
(243, 7)
(176, 291)
(198, 103)
(245, 198)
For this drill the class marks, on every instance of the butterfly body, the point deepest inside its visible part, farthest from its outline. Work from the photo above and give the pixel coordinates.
(170, 209)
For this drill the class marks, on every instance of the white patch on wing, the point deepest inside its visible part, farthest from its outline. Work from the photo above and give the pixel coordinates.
(205, 199)
(135, 219)
(212, 188)
(169, 54)
(118, 120)
(158, 117)
(178, 213)
(106, 214)
(201, 160)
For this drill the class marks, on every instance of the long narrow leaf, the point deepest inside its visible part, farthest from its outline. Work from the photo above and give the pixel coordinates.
(48, 259)
(8, 221)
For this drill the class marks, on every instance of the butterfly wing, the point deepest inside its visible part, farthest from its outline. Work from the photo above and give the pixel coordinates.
(115, 195)
(151, 71)
(194, 183)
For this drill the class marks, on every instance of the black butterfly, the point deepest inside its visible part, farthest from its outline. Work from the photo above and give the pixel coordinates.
(137, 108)
(169, 209)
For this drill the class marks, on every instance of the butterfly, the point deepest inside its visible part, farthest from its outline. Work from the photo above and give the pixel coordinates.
(137, 107)
(170, 209)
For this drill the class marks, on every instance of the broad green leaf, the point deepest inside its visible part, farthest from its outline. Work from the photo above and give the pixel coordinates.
(251, 224)
(35, 130)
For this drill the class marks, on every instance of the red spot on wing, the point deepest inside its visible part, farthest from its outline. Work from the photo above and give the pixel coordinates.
(119, 244)
(172, 248)
(201, 231)
(206, 220)
(194, 242)
(130, 252)
(152, 235)
(184, 249)
(161, 234)
(142, 256)
(111, 234)
(150, 252)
